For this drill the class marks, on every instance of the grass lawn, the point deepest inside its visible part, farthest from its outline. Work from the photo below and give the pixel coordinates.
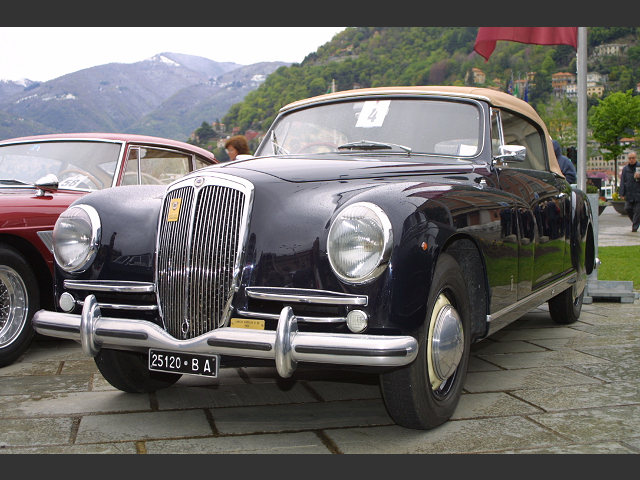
(620, 263)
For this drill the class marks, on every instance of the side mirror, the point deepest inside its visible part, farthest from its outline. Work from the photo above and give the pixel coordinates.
(510, 153)
(48, 183)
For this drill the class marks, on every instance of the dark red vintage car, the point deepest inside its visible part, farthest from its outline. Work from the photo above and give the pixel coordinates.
(40, 177)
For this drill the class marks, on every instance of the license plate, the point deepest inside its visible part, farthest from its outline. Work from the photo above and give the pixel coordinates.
(187, 363)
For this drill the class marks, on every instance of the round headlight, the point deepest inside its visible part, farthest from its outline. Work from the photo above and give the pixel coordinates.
(76, 236)
(359, 242)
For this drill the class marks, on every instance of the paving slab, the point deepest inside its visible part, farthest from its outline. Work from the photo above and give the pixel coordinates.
(507, 380)
(498, 404)
(594, 424)
(35, 431)
(541, 359)
(231, 396)
(459, 436)
(284, 443)
(287, 418)
(581, 396)
(143, 426)
(72, 403)
(118, 448)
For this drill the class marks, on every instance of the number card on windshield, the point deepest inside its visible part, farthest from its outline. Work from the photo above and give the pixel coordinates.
(373, 113)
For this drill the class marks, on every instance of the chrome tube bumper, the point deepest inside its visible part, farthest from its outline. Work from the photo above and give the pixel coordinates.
(286, 345)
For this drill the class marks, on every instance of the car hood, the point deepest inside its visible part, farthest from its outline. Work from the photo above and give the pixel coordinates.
(348, 167)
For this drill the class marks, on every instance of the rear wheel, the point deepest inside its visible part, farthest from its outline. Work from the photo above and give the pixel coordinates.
(425, 393)
(127, 371)
(19, 300)
(565, 307)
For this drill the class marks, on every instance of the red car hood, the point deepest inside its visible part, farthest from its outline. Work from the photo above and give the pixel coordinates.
(20, 207)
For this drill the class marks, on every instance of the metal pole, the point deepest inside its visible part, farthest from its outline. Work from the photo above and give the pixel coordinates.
(582, 108)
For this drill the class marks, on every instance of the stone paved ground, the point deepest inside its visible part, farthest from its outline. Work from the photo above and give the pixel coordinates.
(533, 387)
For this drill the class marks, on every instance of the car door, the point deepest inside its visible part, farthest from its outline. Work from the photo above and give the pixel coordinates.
(542, 197)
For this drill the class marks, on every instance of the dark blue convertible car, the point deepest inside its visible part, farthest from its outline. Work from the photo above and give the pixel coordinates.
(383, 229)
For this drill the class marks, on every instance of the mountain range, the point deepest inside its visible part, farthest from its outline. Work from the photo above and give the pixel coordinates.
(168, 95)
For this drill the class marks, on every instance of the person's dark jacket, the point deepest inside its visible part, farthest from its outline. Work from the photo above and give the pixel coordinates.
(629, 187)
(566, 165)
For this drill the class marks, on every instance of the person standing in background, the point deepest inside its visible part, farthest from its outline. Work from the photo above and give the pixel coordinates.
(237, 148)
(566, 165)
(630, 191)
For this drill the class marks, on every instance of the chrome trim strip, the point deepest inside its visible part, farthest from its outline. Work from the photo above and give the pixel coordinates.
(46, 236)
(508, 314)
(275, 316)
(302, 295)
(286, 345)
(117, 286)
(122, 306)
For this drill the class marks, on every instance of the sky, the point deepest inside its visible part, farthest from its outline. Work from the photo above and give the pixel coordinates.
(45, 53)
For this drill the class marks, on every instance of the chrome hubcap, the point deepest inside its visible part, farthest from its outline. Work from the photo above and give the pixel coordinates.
(13, 305)
(445, 343)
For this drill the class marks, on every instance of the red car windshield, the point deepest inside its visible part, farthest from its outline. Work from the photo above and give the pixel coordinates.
(78, 165)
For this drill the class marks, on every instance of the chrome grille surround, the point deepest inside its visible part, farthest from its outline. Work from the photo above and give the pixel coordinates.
(199, 253)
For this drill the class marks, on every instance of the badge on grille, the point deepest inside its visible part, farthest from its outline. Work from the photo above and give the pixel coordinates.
(198, 182)
(185, 328)
(174, 210)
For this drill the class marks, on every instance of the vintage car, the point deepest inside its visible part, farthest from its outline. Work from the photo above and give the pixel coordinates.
(382, 230)
(40, 177)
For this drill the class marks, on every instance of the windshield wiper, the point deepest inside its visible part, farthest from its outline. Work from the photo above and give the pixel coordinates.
(13, 181)
(370, 145)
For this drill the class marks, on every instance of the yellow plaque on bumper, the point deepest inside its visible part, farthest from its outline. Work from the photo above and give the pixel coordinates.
(247, 323)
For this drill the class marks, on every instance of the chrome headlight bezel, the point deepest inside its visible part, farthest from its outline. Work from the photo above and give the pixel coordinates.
(79, 224)
(373, 218)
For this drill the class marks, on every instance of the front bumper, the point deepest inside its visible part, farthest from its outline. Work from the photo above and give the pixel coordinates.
(286, 345)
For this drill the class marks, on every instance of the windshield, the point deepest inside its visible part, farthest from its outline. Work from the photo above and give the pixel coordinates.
(405, 126)
(78, 165)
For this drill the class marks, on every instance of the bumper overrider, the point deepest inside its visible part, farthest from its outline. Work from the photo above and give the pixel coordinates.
(286, 345)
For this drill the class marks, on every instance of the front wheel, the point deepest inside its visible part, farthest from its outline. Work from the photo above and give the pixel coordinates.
(19, 300)
(127, 371)
(425, 393)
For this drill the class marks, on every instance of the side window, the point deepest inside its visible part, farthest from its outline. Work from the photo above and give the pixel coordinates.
(130, 176)
(162, 166)
(520, 131)
(200, 163)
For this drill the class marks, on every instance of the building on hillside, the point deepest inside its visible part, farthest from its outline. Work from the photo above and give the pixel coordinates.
(595, 91)
(560, 81)
(609, 49)
(479, 78)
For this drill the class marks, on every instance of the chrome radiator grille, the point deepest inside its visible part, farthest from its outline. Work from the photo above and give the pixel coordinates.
(197, 255)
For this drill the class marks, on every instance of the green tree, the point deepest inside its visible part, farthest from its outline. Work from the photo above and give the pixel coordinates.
(560, 117)
(614, 117)
(204, 133)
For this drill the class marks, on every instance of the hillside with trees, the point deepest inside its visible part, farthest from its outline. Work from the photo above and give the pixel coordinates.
(361, 57)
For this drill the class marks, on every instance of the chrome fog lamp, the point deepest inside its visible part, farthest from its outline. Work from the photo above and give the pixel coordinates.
(357, 321)
(360, 242)
(76, 236)
(66, 302)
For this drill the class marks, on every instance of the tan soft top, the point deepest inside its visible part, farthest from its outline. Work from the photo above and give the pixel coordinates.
(493, 97)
